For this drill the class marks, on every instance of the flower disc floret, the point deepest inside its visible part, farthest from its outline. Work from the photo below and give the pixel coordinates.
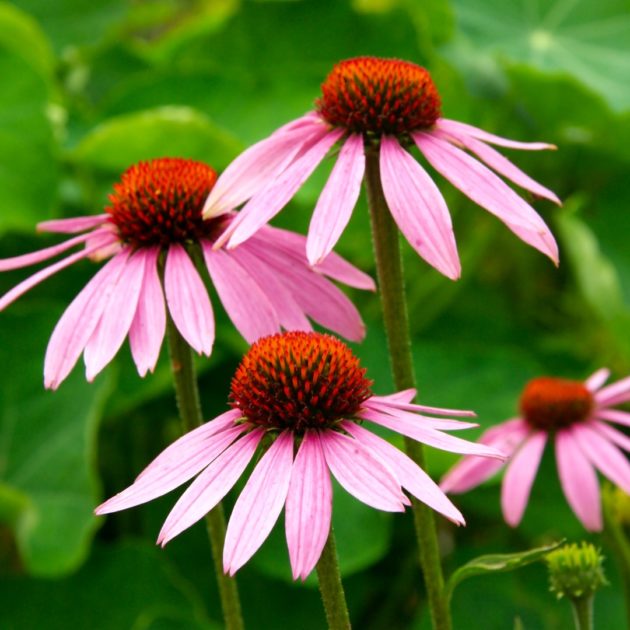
(159, 202)
(379, 96)
(554, 403)
(299, 381)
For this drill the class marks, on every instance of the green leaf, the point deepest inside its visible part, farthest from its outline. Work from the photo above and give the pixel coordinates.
(588, 40)
(496, 563)
(47, 450)
(164, 131)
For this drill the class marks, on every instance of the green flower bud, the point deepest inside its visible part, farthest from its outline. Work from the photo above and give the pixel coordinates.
(575, 571)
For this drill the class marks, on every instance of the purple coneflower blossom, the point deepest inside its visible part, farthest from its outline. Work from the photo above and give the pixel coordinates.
(387, 106)
(303, 392)
(155, 220)
(576, 416)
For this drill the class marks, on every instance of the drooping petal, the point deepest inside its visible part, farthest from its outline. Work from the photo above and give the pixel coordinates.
(519, 477)
(78, 322)
(612, 434)
(117, 316)
(613, 415)
(308, 507)
(188, 301)
(72, 225)
(244, 301)
(596, 380)
(434, 423)
(256, 166)
(210, 486)
(578, 480)
(489, 191)
(404, 396)
(454, 126)
(337, 200)
(407, 472)
(427, 435)
(149, 323)
(259, 504)
(266, 204)
(360, 473)
(389, 401)
(614, 394)
(418, 208)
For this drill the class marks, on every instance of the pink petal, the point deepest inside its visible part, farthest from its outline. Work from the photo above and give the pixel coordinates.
(425, 434)
(482, 186)
(418, 208)
(388, 401)
(188, 301)
(210, 486)
(406, 471)
(360, 473)
(72, 225)
(259, 504)
(614, 394)
(308, 508)
(613, 415)
(245, 303)
(149, 323)
(596, 380)
(269, 201)
(578, 480)
(261, 163)
(79, 321)
(117, 316)
(404, 396)
(337, 200)
(519, 477)
(413, 417)
(454, 126)
(612, 435)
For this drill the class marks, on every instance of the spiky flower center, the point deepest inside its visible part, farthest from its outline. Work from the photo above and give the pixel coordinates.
(299, 380)
(377, 96)
(159, 202)
(554, 403)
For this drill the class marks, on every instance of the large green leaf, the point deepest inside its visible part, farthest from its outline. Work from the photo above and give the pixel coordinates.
(47, 450)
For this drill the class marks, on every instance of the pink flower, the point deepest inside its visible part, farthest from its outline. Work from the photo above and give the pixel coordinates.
(152, 224)
(386, 106)
(576, 416)
(305, 392)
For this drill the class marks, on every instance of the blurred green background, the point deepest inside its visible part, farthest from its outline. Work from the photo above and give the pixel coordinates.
(90, 86)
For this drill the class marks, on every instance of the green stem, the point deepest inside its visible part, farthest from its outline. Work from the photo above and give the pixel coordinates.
(189, 406)
(583, 612)
(331, 588)
(392, 291)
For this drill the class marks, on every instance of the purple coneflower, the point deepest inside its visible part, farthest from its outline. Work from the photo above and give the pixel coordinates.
(384, 105)
(576, 416)
(303, 392)
(155, 220)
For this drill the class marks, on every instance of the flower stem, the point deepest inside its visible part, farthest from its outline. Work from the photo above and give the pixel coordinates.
(187, 394)
(392, 291)
(583, 612)
(331, 588)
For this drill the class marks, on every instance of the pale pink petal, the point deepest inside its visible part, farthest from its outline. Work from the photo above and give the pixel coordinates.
(255, 167)
(149, 323)
(117, 316)
(259, 504)
(613, 415)
(471, 471)
(407, 472)
(434, 423)
(386, 401)
(519, 477)
(269, 201)
(244, 301)
(72, 225)
(454, 126)
(188, 301)
(614, 394)
(612, 434)
(418, 208)
(308, 508)
(503, 166)
(596, 380)
(489, 191)
(360, 473)
(210, 486)
(604, 456)
(78, 322)
(578, 480)
(417, 430)
(337, 200)
(404, 396)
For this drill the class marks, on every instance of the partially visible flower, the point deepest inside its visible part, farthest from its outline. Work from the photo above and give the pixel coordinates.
(305, 392)
(155, 219)
(383, 106)
(577, 417)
